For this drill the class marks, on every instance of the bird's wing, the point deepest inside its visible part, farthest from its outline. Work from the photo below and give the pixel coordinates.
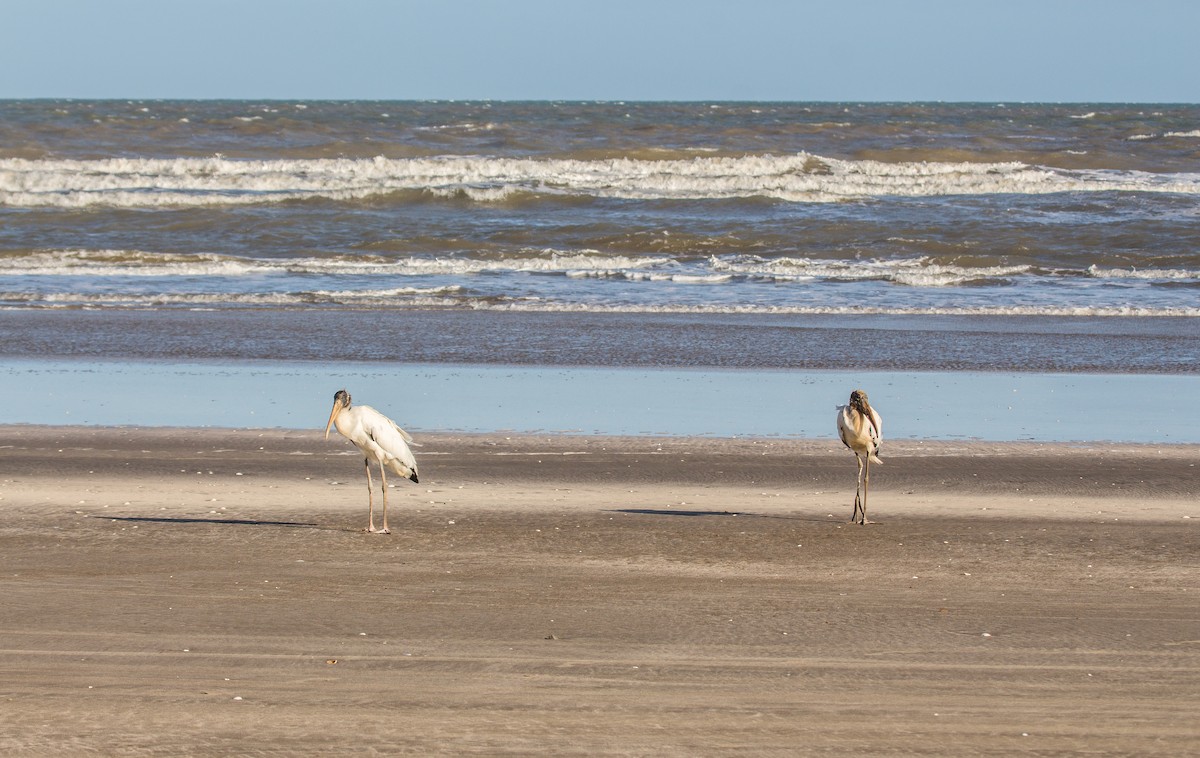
(876, 431)
(842, 423)
(389, 441)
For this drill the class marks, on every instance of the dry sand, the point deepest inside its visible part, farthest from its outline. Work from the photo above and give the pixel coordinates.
(209, 592)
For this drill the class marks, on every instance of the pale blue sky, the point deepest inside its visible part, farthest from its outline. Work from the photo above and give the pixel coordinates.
(955, 50)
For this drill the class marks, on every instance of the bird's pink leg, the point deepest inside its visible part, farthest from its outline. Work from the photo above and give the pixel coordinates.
(866, 485)
(370, 497)
(383, 487)
(857, 490)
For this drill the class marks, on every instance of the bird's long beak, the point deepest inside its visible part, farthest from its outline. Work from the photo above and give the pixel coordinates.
(332, 417)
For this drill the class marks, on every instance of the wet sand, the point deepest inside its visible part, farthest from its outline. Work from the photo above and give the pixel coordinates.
(1144, 345)
(210, 592)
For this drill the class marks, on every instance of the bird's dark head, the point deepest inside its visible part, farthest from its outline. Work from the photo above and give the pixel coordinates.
(858, 397)
(341, 401)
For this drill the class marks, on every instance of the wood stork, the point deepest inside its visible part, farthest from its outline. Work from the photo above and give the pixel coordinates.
(861, 430)
(379, 439)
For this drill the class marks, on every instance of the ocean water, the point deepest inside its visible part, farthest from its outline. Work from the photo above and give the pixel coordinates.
(702, 208)
(855, 241)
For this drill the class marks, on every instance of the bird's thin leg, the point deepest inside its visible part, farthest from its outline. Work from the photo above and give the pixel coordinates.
(370, 497)
(857, 491)
(384, 488)
(866, 486)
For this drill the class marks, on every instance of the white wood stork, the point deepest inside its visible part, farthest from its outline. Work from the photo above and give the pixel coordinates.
(379, 439)
(861, 430)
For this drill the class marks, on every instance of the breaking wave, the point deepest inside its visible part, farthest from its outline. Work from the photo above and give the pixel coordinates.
(455, 298)
(917, 271)
(799, 178)
(589, 281)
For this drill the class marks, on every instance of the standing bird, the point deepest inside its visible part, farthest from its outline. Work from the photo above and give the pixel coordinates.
(861, 430)
(379, 439)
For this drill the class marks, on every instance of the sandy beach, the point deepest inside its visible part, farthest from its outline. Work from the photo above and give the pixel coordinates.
(210, 592)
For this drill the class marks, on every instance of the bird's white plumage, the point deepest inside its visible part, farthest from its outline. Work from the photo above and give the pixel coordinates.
(378, 437)
(860, 433)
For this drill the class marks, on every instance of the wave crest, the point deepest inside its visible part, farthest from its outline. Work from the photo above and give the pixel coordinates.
(801, 178)
(416, 298)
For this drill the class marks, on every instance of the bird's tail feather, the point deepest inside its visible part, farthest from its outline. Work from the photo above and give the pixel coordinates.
(395, 464)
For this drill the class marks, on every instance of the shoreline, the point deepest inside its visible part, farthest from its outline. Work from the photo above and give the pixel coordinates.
(885, 342)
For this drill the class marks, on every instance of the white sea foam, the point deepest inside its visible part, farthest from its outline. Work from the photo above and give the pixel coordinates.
(402, 298)
(413, 297)
(143, 264)
(999, 310)
(639, 275)
(391, 292)
(1158, 274)
(918, 271)
(1188, 134)
(122, 263)
(138, 182)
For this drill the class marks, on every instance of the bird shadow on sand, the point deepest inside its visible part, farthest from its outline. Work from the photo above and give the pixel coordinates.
(220, 521)
(697, 514)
